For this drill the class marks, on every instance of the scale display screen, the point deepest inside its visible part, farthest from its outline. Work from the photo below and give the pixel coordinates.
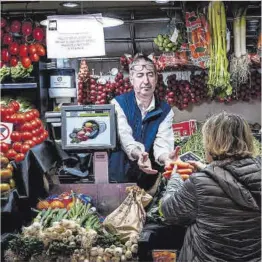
(88, 127)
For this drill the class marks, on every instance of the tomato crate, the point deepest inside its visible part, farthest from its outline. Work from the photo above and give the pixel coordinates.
(186, 128)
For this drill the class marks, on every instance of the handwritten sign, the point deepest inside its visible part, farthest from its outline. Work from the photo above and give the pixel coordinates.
(75, 36)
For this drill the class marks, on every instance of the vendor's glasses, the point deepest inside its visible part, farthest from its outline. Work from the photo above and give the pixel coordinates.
(140, 67)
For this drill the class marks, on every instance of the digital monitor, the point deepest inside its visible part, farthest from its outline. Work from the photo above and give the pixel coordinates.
(87, 127)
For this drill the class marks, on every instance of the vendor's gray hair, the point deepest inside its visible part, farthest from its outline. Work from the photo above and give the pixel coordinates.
(138, 57)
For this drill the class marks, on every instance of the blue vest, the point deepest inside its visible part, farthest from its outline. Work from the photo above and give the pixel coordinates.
(144, 131)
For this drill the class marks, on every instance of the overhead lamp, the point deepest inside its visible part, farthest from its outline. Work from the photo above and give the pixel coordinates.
(70, 4)
(161, 1)
(110, 22)
(106, 21)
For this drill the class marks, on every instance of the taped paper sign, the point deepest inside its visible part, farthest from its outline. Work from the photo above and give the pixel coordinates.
(5, 132)
(73, 36)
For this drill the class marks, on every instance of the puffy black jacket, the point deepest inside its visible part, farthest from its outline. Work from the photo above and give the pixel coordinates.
(222, 208)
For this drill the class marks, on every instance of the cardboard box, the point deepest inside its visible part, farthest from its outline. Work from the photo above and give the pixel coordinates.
(186, 128)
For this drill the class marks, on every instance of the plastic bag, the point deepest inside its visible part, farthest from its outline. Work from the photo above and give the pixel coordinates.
(198, 38)
(128, 219)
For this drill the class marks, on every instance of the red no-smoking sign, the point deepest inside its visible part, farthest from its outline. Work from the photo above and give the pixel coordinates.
(5, 132)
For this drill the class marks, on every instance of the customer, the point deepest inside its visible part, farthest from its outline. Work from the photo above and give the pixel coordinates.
(221, 204)
(146, 140)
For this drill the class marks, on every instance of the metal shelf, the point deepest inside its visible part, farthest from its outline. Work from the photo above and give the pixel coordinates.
(18, 86)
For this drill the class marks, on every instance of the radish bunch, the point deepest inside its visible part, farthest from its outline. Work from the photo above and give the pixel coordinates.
(122, 85)
(199, 89)
(125, 60)
(256, 85)
(160, 88)
(98, 92)
(181, 93)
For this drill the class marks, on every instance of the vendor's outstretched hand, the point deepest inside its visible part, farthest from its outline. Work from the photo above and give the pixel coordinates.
(145, 165)
(173, 156)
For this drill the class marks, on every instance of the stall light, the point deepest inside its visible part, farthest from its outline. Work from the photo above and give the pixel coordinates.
(70, 4)
(110, 22)
(106, 21)
(161, 1)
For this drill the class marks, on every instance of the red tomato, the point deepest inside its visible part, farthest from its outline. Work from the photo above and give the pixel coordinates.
(3, 111)
(35, 112)
(31, 143)
(40, 50)
(17, 146)
(27, 28)
(29, 116)
(5, 55)
(34, 123)
(4, 147)
(39, 122)
(15, 26)
(15, 136)
(34, 132)
(26, 127)
(14, 48)
(34, 57)
(15, 105)
(26, 136)
(19, 157)
(10, 110)
(23, 50)
(6, 119)
(46, 134)
(40, 131)
(38, 34)
(12, 118)
(42, 138)
(36, 140)
(13, 61)
(32, 49)
(20, 118)
(25, 148)
(11, 153)
(26, 62)
(3, 22)
(7, 39)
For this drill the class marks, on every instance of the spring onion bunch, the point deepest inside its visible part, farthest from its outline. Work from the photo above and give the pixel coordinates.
(218, 77)
(239, 65)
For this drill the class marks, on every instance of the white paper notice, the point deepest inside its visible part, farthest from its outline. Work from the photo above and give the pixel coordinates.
(75, 37)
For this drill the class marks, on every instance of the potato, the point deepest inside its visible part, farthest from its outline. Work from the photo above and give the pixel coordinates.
(5, 174)
(4, 187)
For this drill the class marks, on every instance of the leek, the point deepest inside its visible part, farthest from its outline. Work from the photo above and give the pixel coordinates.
(243, 33)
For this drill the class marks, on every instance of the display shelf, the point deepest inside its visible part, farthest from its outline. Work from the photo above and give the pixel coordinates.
(18, 86)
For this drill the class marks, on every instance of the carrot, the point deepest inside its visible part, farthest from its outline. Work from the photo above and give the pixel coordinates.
(181, 164)
(184, 171)
(167, 174)
(184, 177)
(170, 167)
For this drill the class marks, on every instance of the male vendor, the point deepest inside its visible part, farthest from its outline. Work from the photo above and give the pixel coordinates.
(146, 139)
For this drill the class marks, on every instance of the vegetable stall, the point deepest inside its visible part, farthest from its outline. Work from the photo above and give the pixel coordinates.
(58, 205)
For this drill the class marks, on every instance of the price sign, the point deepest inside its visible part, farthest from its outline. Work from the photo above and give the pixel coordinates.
(73, 36)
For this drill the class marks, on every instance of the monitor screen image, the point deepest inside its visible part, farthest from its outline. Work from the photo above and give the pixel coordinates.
(88, 127)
